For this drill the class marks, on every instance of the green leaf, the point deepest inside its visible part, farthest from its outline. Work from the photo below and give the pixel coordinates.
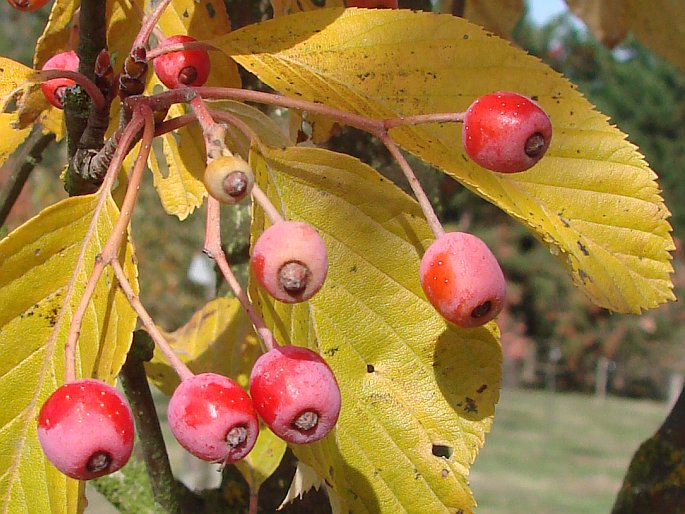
(219, 338)
(418, 396)
(37, 261)
(593, 200)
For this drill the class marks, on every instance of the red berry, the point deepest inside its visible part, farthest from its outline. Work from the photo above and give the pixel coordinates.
(54, 89)
(506, 132)
(290, 261)
(86, 429)
(27, 5)
(184, 67)
(213, 418)
(462, 279)
(295, 393)
(373, 4)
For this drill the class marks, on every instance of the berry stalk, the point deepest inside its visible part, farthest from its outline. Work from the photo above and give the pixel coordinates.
(419, 193)
(179, 366)
(113, 243)
(212, 248)
(88, 85)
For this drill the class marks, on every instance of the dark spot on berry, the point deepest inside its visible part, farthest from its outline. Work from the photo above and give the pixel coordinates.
(188, 75)
(98, 462)
(293, 277)
(306, 421)
(482, 388)
(236, 436)
(535, 145)
(481, 310)
(211, 11)
(440, 450)
(370, 368)
(235, 184)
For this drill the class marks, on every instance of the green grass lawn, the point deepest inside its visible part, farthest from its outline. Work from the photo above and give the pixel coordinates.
(559, 453)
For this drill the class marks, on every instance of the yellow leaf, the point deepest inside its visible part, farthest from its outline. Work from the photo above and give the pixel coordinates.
(177, 161)
(417, 396)
(659, 25)
(13, 77)
(267, 129)
(284, 7)
(498, 17)
(37, 261)
(10, 138)
(592, 199)
(219, 338)
(57, 32)
(123, 23)
(606, 20)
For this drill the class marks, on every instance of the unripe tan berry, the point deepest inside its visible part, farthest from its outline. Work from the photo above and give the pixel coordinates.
(228, 179)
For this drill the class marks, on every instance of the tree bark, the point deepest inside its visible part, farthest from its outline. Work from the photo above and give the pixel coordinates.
(655, 480)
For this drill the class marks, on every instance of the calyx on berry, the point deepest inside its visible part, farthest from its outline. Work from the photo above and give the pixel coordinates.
(228, 179)
(290, 261)
(462, 279)
(295, 393)
(184, 67)
(86, 429)
(54, 89)
(506, 132)
(213, 418)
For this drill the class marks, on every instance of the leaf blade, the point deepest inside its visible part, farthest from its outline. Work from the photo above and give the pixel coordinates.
(37, 259)
(389, 350)
(386, 75)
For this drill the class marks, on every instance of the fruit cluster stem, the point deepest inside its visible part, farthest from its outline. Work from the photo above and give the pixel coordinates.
(212, 248)
(419, 193)
(179, 366)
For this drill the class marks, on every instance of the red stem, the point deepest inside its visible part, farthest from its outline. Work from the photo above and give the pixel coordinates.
(142, 117)
(88, 85)
(179, 366)
(213, 249)
(424, 202)
(149, 24)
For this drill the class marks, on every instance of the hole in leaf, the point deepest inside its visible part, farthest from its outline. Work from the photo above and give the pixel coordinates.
(440, 450)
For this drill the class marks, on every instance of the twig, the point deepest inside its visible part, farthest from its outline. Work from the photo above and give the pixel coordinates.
(30, 156)
(137, 389)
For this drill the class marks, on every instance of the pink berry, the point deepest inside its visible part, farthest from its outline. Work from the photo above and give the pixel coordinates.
(213, 418)
(54, 89)
(506, 132)
(295, 393)
(86, 429)
(27, 5)
(184, 67)
(462, 279)
(290, 261)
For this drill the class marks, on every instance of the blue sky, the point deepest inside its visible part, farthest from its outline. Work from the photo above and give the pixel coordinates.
(542, 10)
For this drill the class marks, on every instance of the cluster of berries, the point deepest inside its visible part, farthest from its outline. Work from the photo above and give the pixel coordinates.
(86, 426)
